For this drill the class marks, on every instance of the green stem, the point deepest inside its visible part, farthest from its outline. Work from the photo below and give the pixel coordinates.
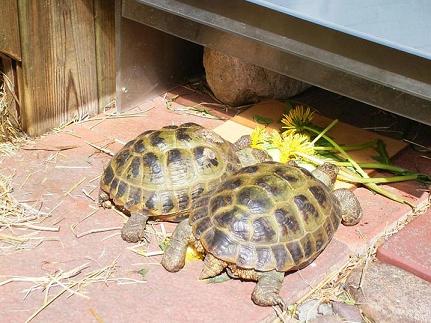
(341, 151)
(381, 166)
(369, 144)
(321, 133)
(372, 186)
(379, 180)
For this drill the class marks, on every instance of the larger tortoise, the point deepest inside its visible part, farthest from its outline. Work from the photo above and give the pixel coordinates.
(262, 222)
(161, 172)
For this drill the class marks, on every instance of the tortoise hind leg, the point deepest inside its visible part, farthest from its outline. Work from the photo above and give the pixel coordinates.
(174, 256)
(104, 200)
(266, 292)
(134, 229)
(351, 210)
(212, 267)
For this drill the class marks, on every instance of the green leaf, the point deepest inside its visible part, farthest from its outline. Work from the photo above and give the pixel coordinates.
(164, 244)
(218, 279)
(262, 119)
(289, 106)
(382, 156)
(143, 272)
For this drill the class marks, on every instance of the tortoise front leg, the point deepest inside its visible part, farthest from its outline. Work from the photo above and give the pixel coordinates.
(134, 229)
(175, 255)
(266, 292)
(351, 210)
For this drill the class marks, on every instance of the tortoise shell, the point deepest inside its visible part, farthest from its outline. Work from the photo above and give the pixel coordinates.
(163, 171)
(267, 216)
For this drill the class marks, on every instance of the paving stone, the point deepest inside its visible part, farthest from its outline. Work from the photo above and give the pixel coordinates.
(308, 310)
(410, 248)
(380, 214)
(326, 319)
(390, 294)
(165, 297)
(347, 312)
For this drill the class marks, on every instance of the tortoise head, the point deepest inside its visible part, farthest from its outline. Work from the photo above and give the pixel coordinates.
(327, 174)
(249, 156)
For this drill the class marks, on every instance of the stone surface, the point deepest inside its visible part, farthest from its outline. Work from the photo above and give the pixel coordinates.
(308, 310)
(410, 249)
(327, 319)
(314, 309)
(390, 294)
(347, 312)
(235, 82)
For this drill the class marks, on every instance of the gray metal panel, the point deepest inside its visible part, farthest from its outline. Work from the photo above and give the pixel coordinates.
(366, 71)
(401, 24)
(149, 61)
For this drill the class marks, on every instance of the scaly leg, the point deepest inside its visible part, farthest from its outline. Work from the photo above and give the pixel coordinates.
(175, 255)
(104, 200)
(212, 267)
(266, 292)
(134, 229)
(351, 210)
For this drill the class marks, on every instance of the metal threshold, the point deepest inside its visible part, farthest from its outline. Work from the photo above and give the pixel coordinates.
(287, 40)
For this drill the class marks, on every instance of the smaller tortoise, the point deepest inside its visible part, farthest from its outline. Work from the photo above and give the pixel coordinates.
(161, 172)
(262, 222)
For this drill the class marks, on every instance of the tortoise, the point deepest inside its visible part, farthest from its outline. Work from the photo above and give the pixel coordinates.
(161, 172)
(263, 221)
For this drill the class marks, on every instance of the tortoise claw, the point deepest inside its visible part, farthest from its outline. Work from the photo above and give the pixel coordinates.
(134, 229)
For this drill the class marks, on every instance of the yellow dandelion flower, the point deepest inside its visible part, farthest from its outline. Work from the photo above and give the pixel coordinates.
(192, 254)
(294, 145)
(297, 118)
(276, 139)
(258, 137)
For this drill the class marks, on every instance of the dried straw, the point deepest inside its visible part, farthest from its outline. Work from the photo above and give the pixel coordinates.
(14, 215)
(66, 283)
(11, 137)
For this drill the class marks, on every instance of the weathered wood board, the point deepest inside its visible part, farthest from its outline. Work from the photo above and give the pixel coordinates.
(59, 77)
(105, 51)
(9, 29)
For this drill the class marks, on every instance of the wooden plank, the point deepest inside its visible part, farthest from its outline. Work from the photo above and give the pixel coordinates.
(105, 51)
(7, 66)
(9, 29)
(59, 79)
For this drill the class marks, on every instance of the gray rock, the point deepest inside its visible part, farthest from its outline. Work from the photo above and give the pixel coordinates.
(235, 82)
(312, 309)
(390, 294)
(325, 309)
(327, 319)
(350, 313)
(308, 310)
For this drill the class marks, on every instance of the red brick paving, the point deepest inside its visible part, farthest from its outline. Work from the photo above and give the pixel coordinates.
(410, 248)
(165, 297)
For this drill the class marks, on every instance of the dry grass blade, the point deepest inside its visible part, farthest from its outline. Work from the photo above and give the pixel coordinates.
(69, 282)
(103, 150)
(16, 215)
(11, 137)
(197, 110)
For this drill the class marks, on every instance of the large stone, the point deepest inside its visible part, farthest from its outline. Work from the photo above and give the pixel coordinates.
(390, 294)
(235, 82)
(349, 313)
